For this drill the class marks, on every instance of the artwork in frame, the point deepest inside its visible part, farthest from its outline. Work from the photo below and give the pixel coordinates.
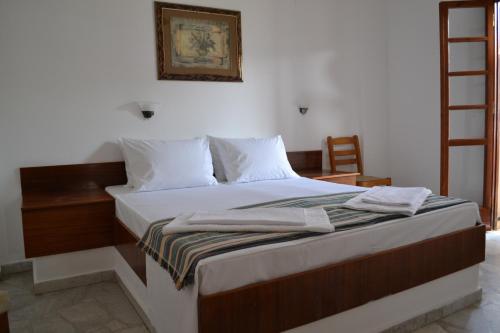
(198, 43)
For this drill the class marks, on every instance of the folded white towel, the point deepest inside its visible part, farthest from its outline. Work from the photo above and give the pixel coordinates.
(395, 196)
(253, 220)
(254, 216)
(358, 203)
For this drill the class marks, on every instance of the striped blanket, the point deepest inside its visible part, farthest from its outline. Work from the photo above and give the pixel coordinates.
(180, 253)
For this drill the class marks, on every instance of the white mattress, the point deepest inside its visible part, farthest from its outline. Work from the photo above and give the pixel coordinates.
(139, 209)
(235, 269)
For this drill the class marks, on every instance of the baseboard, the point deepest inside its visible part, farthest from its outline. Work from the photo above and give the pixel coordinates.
(425, 319)
(140, 311)
(73, 282)
(16, 267)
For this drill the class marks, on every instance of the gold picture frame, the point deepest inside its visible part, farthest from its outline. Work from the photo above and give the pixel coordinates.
(198, 43)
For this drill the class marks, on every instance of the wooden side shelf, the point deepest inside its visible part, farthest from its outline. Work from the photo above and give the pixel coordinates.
(36, 201)
(347, 178)
(63, 222)
(309, 164)
(65, 208)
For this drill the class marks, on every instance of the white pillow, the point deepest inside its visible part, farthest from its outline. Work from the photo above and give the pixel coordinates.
(160, 165)
(249, 160)
(216, 149)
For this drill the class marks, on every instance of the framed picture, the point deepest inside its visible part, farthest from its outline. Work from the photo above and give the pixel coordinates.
(198, 43)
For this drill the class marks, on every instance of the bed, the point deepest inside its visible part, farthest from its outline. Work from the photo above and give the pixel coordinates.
(367, 279)
(177, 311)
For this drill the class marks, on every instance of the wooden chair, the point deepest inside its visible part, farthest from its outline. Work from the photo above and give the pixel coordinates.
(352, 156)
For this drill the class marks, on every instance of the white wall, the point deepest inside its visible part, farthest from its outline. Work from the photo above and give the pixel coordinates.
(333, 58)
(414, 95)
(414, 98)
(70, 71)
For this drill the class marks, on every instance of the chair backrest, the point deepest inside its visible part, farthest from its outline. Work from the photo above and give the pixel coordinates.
(351, 156)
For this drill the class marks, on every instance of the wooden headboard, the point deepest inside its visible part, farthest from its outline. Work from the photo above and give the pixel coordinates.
(77, 177)
(81, 177)
(306, 160)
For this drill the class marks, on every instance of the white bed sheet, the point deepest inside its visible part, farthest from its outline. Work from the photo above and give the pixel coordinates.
(139, 209)
(238, 268)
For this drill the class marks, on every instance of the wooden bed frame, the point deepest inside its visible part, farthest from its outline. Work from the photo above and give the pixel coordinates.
(65, 209)
(295, 300)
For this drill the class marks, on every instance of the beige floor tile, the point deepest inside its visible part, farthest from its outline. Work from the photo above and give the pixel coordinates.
(433, 328)
(98, 308)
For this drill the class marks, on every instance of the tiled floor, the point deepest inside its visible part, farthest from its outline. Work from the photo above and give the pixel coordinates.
(97, 308)
(104, 308)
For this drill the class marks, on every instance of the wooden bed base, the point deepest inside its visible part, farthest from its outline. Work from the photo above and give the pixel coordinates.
(125, 242)
(295, 300)
(271, 306)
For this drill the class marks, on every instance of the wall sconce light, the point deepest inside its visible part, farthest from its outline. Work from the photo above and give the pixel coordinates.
(148, 109)
(303, 110)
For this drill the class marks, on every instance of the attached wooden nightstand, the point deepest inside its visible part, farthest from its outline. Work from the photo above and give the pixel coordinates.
(347, 178)
(67, 221)
(65, 208)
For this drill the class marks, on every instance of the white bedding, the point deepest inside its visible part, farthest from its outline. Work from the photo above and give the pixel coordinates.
(239, 268)
(139, 210)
